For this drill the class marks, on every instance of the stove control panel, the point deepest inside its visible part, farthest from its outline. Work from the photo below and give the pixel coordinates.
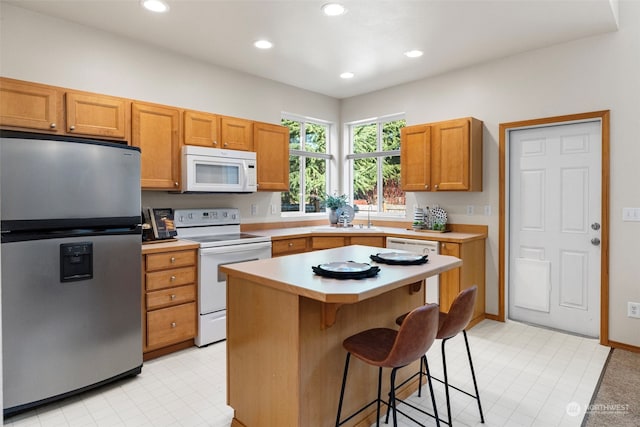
(204, 217)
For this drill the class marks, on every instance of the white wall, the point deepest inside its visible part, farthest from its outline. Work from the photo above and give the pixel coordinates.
(597, 73)
(591, 74)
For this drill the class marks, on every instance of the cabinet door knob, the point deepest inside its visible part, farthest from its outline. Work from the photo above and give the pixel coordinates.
(173, 259)
(52, 125)
(215, 142)
(173, 324)
(173, 296)
(72, 128)
(426, 186)
(176, 184)
(290, 244)
(226, 144)
(436, 186)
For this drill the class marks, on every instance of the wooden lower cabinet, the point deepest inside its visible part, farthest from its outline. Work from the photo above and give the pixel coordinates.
(471, 273)
(288, 246)
(169, 301)
(328, 242)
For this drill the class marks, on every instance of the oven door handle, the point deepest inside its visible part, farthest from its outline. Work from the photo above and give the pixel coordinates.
(244, 247)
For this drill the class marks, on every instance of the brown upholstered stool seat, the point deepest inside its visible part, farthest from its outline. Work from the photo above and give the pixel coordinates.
(390, 348)
(449, 325)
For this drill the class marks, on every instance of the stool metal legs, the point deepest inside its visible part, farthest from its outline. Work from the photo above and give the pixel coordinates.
(378, 401)
(473, 376)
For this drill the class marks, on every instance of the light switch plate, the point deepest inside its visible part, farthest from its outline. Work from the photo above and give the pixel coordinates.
(631, 214)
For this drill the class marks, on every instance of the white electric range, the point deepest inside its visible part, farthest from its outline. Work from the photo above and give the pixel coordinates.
(217, 230)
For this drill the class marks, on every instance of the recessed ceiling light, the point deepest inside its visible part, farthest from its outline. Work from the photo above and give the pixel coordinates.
(263, 44)
(413, 53)
(334, 9)
(155, 5)
(347, 75)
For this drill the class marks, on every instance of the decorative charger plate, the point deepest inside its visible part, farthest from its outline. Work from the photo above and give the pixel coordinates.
(346, 270)
(399, 258)
(346, 211)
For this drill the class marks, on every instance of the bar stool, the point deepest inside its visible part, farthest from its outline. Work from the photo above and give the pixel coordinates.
(451, 324)
(388, 348)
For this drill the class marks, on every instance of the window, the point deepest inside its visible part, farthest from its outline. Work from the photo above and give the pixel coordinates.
(374, 165)
(308, 165)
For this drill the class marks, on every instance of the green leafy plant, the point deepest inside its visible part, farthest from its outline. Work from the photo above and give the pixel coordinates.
(335, 202)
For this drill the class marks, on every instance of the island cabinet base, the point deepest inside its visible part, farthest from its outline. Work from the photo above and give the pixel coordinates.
(285, 365)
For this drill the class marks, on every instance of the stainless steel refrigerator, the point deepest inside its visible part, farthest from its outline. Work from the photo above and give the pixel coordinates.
(71, 273)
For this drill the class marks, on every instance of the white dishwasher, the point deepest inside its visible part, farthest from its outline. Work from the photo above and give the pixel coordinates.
(422, 247)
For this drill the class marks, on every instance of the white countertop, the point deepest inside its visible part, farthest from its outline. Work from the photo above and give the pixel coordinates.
(293, 274)
(280, 233)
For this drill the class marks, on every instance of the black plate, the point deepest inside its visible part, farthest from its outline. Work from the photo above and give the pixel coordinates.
(409, 259)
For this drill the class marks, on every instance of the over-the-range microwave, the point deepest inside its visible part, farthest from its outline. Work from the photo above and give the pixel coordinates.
(213, 170)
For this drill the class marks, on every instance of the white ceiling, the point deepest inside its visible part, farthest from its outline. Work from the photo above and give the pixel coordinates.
(311, 50)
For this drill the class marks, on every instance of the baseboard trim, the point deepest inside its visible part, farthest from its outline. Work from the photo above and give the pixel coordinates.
(623, 346)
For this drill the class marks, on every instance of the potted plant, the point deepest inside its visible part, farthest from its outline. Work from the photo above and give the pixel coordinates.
(332, 203)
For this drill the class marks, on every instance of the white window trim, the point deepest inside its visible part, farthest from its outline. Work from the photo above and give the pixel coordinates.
(348, 158)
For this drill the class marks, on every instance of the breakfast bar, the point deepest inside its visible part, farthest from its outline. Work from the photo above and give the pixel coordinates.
(285, 327)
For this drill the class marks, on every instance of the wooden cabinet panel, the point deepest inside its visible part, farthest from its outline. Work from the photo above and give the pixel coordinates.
(288, 246)
(97, 115)
(449, 280)
(171, 296)
(322, 242)
(415, 158)
(271, 143)
(201, 129)
(29, 105)
(168, 278)
(367, 241)
(171, 259)
(156, 130)
(171, 325)
(443, 156)
(236, 134)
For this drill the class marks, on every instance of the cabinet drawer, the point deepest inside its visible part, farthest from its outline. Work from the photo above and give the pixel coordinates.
(289, 246)
(171, 296)
(171, 325)
(367, 241)
(170, 278)
(327, 242)
(170, 259)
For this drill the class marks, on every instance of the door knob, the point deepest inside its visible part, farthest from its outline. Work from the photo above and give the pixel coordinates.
(595, 241)
(595, 226)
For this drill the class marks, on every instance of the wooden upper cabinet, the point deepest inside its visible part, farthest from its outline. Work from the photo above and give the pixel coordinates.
(236, 134)
(271, 143)
(156, 130)
(201, 129)
(456, 152)
(30, 106)
(97, 115)
(415, 158)
(442, 156)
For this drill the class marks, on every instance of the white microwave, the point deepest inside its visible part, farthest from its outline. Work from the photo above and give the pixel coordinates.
(212, 170)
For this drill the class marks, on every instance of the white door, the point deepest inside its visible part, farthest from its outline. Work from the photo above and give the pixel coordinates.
(554, 226)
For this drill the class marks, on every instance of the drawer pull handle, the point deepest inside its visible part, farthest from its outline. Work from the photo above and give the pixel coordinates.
(173, 296)
(173, 259)
(172, 278)
(173, 324)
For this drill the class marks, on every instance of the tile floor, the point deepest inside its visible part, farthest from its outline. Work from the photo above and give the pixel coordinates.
(527, 377)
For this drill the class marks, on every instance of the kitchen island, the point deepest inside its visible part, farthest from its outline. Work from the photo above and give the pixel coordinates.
(285, 328)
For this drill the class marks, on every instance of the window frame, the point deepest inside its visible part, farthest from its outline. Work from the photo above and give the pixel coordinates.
(302, 155)
(379, 154)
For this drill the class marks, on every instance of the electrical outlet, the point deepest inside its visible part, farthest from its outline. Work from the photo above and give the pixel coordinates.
(487, 210)
(631, 214)
(254, 209)
(469, 209)
(633, 309)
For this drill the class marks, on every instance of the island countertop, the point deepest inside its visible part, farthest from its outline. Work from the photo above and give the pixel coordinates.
(293, 274)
